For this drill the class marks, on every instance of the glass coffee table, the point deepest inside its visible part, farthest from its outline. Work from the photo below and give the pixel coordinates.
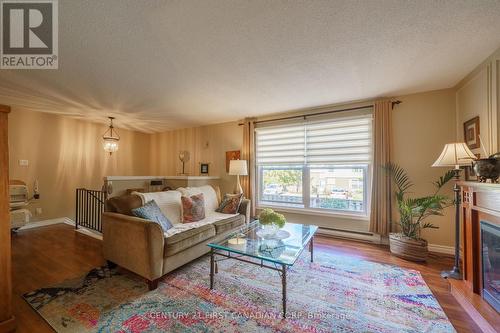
(255, 244)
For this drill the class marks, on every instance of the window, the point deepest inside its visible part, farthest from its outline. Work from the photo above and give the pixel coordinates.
(282, 185)
(338, 188)
(323, 165)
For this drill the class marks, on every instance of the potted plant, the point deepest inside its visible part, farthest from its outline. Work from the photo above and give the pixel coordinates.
(271, 221)
(413, 214)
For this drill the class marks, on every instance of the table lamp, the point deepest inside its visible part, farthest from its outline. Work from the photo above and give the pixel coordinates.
(238, 168)
(455, 155)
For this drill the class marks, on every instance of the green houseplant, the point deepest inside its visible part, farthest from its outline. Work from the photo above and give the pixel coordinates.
(269, 217)
(414, 214)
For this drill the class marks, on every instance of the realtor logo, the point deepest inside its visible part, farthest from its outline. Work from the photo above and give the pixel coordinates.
(29, 34)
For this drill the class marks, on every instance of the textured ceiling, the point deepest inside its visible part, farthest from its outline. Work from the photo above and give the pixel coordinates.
(159, 65)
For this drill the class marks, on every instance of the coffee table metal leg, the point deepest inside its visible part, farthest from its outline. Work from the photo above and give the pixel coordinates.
(311, 248)
(283, 282)
(212, 266)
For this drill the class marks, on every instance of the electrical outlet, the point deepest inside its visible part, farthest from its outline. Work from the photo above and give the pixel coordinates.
(23, 163)
(39, 211)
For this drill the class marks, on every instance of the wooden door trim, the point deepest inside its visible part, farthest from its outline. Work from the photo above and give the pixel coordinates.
(4, 108)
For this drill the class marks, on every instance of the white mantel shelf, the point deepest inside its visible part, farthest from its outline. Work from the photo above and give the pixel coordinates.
(117, 178)
(191, 177)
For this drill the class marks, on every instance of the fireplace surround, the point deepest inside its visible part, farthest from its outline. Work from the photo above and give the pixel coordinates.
(490, 262)
(480, 209)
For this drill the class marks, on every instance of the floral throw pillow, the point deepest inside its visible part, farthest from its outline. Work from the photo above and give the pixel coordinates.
(151, 211)
(230, 204)
(193, 208)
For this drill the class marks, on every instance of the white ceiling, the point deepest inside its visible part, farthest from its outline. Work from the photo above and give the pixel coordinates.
(159, 65)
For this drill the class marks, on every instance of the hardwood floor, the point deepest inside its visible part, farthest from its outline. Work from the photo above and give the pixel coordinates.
(45, 256)
(49, 255)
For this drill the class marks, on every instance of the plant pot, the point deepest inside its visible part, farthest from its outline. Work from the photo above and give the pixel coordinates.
(408, 248)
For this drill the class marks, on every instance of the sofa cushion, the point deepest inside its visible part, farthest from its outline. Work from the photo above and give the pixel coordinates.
(151, 211)
(193, 208)
(209, 194)
(230, 204)
(187, 238)
(210, 219)
(229, 223)
(123, 204)
(169, 203)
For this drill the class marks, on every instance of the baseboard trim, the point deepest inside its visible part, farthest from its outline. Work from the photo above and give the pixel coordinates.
(90, 233)
(441, 249)
(8, 325)
(373, 238)
(45, 223)
(65, 220)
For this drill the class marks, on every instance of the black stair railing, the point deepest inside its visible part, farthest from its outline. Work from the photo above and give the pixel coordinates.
(89, 208)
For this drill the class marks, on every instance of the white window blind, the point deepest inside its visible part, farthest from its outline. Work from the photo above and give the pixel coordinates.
(341, 140)
(280, 145)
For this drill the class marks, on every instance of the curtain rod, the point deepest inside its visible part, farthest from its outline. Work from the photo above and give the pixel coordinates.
(321, 113)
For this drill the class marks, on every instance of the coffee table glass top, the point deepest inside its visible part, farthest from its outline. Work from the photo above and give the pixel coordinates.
(255, 240)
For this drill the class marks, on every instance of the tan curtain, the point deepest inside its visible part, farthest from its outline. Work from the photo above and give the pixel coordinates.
(380, 217)
(248, 154)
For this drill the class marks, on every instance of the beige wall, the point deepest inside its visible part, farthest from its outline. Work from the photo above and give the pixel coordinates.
(478, 94)
(422, 125)
(206, 144)
(65, 154)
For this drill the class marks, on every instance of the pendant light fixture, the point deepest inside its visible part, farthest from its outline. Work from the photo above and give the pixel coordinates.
(110, 138)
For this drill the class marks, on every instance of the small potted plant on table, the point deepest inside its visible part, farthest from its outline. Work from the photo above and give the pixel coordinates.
(413, 214)
(271, 221)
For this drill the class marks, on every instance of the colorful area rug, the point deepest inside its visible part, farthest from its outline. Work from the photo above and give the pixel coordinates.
(333, 294)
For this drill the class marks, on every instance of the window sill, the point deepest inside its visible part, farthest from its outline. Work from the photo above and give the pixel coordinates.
(304, 211)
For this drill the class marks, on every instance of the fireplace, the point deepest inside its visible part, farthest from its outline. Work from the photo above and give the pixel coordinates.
(490, 245)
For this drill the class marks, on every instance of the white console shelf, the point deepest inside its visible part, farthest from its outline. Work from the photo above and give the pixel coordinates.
(117, 178)
(119, 185)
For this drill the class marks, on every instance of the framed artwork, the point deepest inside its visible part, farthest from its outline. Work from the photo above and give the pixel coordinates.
(204, 168)
(471, 133)
(231, 155)
(470, 174)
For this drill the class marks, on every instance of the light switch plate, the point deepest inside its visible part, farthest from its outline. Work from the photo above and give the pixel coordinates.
(23, 162)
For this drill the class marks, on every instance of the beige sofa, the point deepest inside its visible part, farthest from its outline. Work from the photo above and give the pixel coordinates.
(142, 247)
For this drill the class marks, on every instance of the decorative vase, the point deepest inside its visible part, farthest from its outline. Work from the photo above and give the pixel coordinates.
(268, 230)
(408, 248)
(487, 168)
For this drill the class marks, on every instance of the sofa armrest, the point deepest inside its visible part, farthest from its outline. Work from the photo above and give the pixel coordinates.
(245, 209)
(133, 243)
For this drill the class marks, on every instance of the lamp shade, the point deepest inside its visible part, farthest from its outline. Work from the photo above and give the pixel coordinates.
(454, 155)
(238, 168)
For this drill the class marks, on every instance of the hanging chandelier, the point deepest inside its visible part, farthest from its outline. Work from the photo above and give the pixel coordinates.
(110, 138)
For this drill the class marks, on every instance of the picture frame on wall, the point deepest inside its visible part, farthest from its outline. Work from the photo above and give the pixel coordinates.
(204, 169)
(472, 132)
(232, 155)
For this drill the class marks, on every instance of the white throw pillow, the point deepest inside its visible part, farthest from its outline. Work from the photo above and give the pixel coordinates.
(169, 203)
